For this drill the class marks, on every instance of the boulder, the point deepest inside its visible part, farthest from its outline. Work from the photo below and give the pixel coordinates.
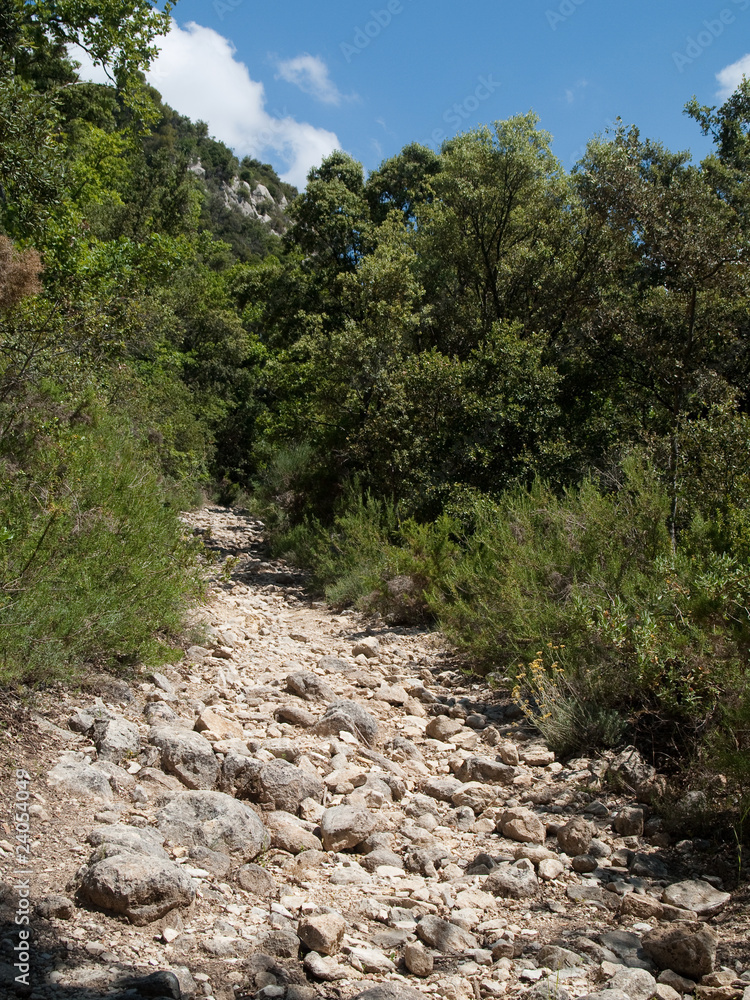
(75, 775)
(349, 717)
(448, 938)
(696, 895)
(116, 740)
(289, 834)
(213, 820)
(575, 836)
(369, 647)
(555, 958)
(120, 838)
(629, 822)
(441, 789)
(187, 755)
(516, 881)
(442, 728)
(343, 827)
(222, 728)
(418, 960)
(523, 825)
(309, 686)
(485, 769)
(139, 887)
(322, 932)
(281, 786)
(686, 947)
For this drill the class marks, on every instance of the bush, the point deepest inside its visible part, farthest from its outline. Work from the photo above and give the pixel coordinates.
(581, 601)
(93, 559)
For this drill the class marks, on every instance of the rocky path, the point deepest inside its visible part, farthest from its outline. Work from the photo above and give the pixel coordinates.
(310, 804)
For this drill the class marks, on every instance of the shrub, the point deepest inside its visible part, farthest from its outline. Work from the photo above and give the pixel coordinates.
(94, 565)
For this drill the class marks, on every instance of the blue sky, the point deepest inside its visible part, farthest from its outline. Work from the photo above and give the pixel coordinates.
(288, 81)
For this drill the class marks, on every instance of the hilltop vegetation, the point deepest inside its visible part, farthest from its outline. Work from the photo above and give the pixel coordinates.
(470, 387)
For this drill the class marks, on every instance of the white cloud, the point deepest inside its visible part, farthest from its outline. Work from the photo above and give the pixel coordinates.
(731, 77)
(310, 74)
(197, 73)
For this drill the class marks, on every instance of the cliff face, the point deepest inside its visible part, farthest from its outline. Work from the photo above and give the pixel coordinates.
(247, 210)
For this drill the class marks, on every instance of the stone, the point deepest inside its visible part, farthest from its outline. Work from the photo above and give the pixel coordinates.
(536, 755)
(485, 770)
(344, 827)
(523, 825)
(81, 721)
(214, 862)
(187, 755)
(555, 958)
(575, 836)
(678, 983)
(282, 786)
(348, 717)
(629, 822)
(120, 838)
(322, 932)
(548, 989)
(444, 936)
(696, 895)
(56, 906)
(159, 713)
(162, 682)
(256, 880)
(442, 727)
(309, 686)
(238, 773)
(325, 967)
(641, 906)
(369, 647)
(394, 694)
(606, 995)
(213, 820)
(638, 984)
(516, 881)
(280, 942)
(648, 865)
(418, 960)
(288, 834)
(139, 887)
(369, 960)
(117, 740)
(550, 868)
(76, 776)
(686, 947)
(283, 749)
(441, 789)
(629, 768)
(296, 715)
(162, 985)
(507, 753)
(223, 729)
(390, 991)
(664, 992)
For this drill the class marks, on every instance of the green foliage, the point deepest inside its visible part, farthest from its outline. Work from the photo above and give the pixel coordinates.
(94, 567)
